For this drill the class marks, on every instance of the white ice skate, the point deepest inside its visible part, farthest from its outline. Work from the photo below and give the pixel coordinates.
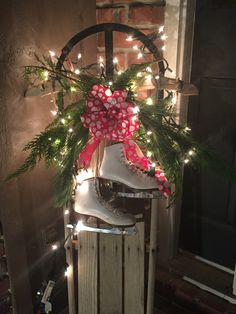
(88, 202)
(116, 167)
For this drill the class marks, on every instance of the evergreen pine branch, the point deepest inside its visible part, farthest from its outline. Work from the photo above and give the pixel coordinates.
(52, 142)
(64, 179)
(170, 144)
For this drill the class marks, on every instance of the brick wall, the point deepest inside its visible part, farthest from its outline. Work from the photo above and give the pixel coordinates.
(147, 16)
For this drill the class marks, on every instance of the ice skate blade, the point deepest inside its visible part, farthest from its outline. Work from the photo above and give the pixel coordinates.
(153, 195)
(127, 185)
(115, 230)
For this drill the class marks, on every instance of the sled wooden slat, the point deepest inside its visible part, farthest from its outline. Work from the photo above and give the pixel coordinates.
(110, 277)
(134, 272)
(87, 273)
(69, 261)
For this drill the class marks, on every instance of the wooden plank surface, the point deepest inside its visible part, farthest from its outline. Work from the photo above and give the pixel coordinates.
(69, 261)
(87, 273)
(110, 274)
(152, 257)
(134, 272)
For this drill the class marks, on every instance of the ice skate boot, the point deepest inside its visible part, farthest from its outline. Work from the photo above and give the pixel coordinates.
(116, 167)
(88, 201)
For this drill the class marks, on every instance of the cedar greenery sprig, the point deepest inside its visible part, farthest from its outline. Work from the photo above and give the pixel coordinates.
(59, 145)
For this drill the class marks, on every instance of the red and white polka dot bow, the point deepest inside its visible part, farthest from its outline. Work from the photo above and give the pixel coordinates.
(109, 115)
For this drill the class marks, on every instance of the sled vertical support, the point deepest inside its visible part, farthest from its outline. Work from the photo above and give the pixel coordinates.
(69, 261)
(110, 277)
(134, 272)
(109, 52)
(87, 273)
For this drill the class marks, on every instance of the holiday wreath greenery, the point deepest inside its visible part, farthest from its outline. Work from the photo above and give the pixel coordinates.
(168, 144)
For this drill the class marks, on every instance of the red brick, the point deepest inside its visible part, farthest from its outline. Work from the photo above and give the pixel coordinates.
(100, 40)
(105, 15)
(119, 15)
(146, 14)
(111, 15)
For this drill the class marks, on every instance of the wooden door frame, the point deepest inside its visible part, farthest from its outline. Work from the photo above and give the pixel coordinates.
(179, 27)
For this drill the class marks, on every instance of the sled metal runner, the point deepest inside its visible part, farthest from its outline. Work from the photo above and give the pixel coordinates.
(81, 226)
(143, 195)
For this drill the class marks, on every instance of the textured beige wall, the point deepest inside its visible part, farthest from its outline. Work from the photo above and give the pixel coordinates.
(26, 205)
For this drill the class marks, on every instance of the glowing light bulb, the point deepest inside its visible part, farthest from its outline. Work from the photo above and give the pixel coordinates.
(148, 141)
(139, 74)
(110, 83)
(153, 164)
(52, 53)
(135, 47)
(174, 99)
(149, 101)
(187, 129)
(149, 78)
(140, 55)
(191, 152)
(70, 130)
(63, 121)
(66, 212)
(129, 38)
(79, 56)
(101, 62)
(161, 29)
(115, 60)
(163, 48)
(57, 141)
(70, 226)
(164, 37)
(119, 72)
(148, 69)
(73, 89)
(149, 132)
(149, 154)
(45, 74)
(173, 74)
(136, 109)
(186, 161)
(157, 77)
(77, 71)
(54, 247)
(53, 112)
